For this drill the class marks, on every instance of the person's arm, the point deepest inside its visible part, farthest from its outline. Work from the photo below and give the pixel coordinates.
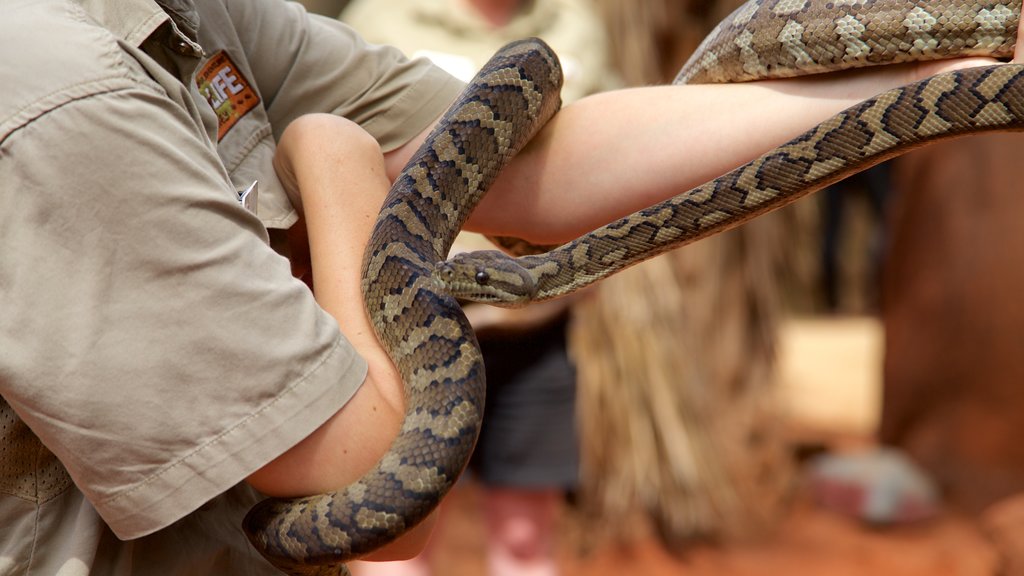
(610, 154)
(335, 171)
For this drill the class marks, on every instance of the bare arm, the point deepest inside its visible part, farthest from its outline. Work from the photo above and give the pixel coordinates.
(340, 172)
(610, 154)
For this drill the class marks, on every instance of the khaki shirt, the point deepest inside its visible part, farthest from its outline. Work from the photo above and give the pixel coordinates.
(154, 351)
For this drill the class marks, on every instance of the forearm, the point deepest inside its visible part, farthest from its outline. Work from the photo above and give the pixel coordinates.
(337, 174)
(613, 153)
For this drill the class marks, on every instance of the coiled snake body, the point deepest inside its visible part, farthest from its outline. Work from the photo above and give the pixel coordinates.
(409, 289)
(424, 330)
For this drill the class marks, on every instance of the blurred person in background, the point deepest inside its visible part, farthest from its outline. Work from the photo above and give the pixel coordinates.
(461, 35)
(527, 456)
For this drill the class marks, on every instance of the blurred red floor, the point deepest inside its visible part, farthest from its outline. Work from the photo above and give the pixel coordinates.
(809, 542)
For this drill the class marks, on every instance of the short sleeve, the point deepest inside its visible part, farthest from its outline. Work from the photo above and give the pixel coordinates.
(148, 334)
(305, 62)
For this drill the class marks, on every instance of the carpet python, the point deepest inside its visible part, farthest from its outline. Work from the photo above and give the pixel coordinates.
(776, 39)
(423, 329)
(410, 290)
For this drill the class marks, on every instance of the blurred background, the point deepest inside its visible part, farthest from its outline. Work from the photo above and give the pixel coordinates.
(833, 388)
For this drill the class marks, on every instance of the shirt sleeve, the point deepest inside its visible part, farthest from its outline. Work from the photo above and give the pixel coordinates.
(148, 335)
(304, 62)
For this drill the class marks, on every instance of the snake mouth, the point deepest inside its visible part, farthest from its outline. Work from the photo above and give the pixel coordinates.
(470, 282)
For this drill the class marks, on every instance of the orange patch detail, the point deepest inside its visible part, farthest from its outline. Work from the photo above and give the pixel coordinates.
(227, 91)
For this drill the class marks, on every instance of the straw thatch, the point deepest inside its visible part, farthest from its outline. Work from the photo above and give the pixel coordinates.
(675, 361)
(676, 357)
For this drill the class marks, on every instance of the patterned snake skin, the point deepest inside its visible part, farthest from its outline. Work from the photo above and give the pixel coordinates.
(409, 290)
(780, 38)
(424, 330)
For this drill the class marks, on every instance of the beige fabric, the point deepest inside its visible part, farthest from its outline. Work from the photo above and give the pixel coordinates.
(325, 7)
(323, 67)
(154, 350)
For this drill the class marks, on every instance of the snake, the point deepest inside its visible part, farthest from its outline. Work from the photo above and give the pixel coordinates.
(413, 294)
(424, 330)
(767, 39)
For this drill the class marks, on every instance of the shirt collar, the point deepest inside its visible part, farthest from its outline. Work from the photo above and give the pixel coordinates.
(134, 21)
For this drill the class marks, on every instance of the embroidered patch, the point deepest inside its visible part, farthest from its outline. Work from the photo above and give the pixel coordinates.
(227, 91)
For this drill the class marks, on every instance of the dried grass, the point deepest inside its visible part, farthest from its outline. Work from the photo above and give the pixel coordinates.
(675, 362)
(676, 359)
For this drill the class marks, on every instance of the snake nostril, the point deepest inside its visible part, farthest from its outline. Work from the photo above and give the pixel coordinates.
(482, 277)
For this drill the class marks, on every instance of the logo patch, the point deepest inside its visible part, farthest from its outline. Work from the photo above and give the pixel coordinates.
(227, 91)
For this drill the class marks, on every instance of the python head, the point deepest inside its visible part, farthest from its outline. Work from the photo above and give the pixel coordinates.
(487, 276)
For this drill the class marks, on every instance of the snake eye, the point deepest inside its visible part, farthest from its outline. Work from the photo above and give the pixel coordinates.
(482, 277)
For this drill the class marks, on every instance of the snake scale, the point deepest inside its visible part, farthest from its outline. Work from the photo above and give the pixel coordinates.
(410, 291)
